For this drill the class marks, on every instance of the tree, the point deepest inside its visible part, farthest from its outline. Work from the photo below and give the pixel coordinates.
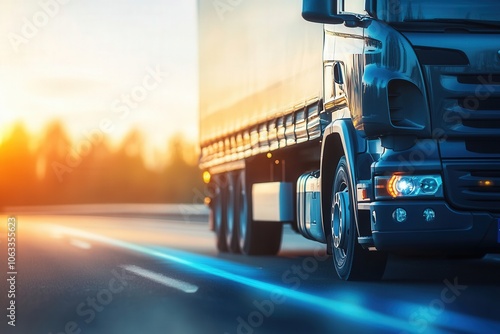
(181, 176)
(17, 168)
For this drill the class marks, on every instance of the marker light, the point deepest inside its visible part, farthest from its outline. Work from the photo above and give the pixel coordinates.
(400, 186)
(486, 183)
(207, 177)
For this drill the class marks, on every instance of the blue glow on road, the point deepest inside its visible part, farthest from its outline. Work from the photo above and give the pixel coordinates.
(211, 262)
(448, 321)
(428, 316)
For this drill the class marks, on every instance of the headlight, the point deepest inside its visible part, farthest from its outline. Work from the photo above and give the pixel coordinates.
(400, 186)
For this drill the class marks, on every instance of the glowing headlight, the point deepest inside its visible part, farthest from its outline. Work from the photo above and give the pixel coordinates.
(405, 186)
(398, 186)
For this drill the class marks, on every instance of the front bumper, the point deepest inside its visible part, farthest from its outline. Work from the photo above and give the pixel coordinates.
(451, 230)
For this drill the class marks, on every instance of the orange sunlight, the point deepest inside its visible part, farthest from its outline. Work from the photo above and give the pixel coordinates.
(51, 168)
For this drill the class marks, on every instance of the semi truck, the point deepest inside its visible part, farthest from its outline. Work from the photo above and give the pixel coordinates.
(370, 126)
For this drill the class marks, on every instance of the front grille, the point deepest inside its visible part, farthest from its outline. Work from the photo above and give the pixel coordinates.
(482, 146)
(479, 79)
(482, 124)
(473, 186)
(476, 112)
(438, 56)
(491, 104)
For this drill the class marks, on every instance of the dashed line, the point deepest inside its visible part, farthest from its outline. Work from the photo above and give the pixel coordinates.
(162, 279)
(80, 244)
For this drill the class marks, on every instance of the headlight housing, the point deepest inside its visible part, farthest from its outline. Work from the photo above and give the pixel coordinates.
(403, 186)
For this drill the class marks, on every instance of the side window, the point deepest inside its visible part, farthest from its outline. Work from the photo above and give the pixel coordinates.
(329, 85)
(353, 6)
(334, 88)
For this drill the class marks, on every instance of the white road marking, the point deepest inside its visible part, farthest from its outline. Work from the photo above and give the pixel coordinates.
(80, 244)
(162, 279)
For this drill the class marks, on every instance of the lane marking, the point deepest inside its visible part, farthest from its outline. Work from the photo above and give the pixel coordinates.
(80, 244)
(162, 279)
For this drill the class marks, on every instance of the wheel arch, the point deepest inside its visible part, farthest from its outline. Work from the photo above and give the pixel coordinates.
(339, 139)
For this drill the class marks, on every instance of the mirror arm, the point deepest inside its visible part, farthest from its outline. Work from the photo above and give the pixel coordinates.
(350, 21)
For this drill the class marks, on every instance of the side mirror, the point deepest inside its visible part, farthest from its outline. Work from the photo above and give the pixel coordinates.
(321, 11)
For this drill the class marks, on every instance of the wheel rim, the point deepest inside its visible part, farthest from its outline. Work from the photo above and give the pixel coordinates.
(340, 223)
(340, 215)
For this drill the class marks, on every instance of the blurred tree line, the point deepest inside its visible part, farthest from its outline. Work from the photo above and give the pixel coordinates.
(51, 169)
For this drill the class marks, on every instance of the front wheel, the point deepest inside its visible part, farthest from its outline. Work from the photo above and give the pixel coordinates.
(351, 261)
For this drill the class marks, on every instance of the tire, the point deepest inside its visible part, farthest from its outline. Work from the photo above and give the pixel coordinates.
(255, 237)
(351, 261)
(219, 216)
(231, 216)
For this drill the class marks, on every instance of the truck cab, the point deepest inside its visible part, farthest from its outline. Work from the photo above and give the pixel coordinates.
(413, 88)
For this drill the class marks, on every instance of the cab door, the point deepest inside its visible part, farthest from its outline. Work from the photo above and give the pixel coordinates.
(344, 63)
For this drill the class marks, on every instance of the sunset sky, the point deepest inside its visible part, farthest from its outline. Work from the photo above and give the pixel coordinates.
(130, 63)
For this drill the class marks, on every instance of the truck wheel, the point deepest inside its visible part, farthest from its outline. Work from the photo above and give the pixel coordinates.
(219, 208)
(255, 237)
(351, 261)
(231, 229)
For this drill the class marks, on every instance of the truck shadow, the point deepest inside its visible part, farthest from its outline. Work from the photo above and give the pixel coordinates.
(424, 269)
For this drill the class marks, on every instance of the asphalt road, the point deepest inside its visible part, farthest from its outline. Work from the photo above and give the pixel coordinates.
(134, 274)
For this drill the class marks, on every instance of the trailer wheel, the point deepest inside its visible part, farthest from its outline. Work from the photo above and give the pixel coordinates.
(255, 237)
(219, 208)
(231, 216)
(351, 261)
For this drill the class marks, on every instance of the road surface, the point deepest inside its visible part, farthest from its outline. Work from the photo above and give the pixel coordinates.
(160, 273)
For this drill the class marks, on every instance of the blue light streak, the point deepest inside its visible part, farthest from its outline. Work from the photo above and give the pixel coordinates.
(450, 321)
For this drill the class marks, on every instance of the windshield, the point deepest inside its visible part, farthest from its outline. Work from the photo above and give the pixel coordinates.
(423, 10)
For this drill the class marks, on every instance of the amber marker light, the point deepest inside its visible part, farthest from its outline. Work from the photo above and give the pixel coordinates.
(486, 183)
(391, 189)
(207, 177)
